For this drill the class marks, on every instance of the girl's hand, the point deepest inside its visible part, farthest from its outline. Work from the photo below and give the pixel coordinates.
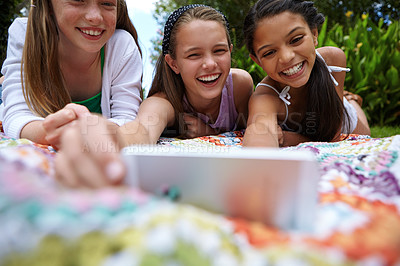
(55, 124)
(292, 139)
(196, 127)
(89, 154)
(262, 126)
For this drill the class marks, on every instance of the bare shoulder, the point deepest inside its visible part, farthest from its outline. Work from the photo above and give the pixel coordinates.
(156, 103)
(242, 88)
(157, 108)
(157, 96)
(333, 56)
(265, 87)
(242, 80)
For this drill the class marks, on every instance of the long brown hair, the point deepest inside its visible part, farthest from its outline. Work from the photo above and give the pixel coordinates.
(324, 103)
(165, 79)
(43, 83)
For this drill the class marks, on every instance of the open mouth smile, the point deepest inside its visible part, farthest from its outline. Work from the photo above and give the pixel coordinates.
(293, 70)
(90, 33)
(208, 79)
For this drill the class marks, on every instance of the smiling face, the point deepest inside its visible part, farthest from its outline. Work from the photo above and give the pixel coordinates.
(86, 25)
(202, 58)
(284, 47)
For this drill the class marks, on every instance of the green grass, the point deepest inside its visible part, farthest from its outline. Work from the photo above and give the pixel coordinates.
(385, 131)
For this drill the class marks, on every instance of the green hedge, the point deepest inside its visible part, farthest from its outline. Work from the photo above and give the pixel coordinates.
(373, 54)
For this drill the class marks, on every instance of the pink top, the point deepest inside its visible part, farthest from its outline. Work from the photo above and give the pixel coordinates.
(227, 116)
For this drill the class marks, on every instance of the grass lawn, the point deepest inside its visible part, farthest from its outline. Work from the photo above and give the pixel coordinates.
(385, 131)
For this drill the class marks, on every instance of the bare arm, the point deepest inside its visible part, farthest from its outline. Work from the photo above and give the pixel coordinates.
(292, 139)
(89, 154)
(35, 132)
(48, 131)
(262, 126)
(155, 114)
(242, 89)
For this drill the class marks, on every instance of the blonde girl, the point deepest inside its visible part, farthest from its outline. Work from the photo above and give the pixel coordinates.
(75, 57)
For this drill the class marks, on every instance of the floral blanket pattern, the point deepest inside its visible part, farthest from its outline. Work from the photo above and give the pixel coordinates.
(42, 223)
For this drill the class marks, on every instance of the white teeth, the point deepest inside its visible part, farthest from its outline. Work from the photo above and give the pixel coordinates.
(209, 78)
(293, 70)
(91, 32)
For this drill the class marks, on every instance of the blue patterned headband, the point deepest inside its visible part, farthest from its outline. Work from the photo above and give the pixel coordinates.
(173, 18)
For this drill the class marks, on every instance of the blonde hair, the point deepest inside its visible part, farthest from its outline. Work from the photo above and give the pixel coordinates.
(43, 83)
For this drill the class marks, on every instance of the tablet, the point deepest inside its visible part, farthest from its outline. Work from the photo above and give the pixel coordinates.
(272, 186)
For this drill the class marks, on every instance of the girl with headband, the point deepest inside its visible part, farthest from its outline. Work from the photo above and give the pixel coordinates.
(301, 99)
(194, 83)
(76, 58)
(194, 92)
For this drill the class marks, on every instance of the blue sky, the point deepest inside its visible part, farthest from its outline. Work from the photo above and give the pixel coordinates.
(141, 13)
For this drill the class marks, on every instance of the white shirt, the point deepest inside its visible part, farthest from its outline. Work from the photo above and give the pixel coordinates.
(121, 81)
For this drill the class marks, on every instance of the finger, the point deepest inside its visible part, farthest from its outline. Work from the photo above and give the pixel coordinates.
(64, 161)
(96, 125)
(54, 125)
(89, 171)
(190, 134)
(104, 149)
(83, 168)
(58, 119)
(102, 146)
(78, 109)
(115, 171)
(54, 137)
(64, 173)
(189, 120)
(190, 130)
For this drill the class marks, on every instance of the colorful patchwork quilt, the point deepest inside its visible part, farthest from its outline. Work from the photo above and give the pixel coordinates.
(43, 223)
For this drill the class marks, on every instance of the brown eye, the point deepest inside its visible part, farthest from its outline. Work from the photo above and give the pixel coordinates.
(297, 39)
(268, 53)
(108, 4)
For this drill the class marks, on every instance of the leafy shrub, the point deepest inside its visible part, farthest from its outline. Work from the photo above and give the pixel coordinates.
(389, 10)
(373, 54)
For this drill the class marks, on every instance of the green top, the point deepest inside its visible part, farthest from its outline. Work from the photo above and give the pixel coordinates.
(94, 103)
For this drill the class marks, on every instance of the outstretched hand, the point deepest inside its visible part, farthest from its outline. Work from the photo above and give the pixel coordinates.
(55, 124)
(89, 154)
